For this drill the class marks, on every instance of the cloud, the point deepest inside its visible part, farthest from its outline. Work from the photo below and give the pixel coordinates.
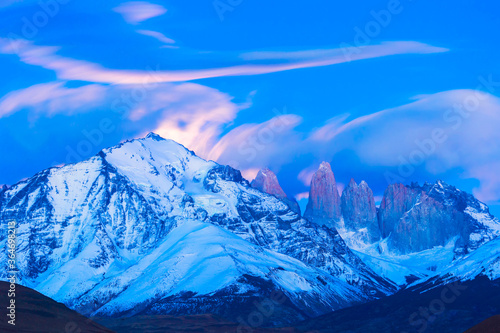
(71, 69)
(135, 12)
(436, 133)
(191, 114)
(258, 145)
(302, 195)
(450, 130)
(250, 174)
(157, 35)
(198, 123)
(51, 98)
(305, 176)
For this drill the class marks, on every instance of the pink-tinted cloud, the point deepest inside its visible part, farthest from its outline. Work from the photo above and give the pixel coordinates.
(306, 175)
(455, 129)
(250, 174)
(51, 98)
(71, 69)
(135, 12)
(157, 35)
(303, 195)
(488, 176)
(258, 145)
(191, 114)
(198, 120)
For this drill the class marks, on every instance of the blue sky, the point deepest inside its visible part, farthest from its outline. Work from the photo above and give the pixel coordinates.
(386, 91)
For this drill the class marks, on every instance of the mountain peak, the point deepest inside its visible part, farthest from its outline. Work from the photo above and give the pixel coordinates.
(324, 200)
(359, 211)
(154, 136)
(266, 181)
(325, 166)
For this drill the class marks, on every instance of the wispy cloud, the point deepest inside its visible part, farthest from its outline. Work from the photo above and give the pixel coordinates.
(250, 174)
(51, 98)
(71, 69)
(450, 130)
(191, 114)
(302, 195)
(157, 35)
(258, 145)
(199, 120)
(438, 133)
(306, 174)
(197, 116)
(135, 12)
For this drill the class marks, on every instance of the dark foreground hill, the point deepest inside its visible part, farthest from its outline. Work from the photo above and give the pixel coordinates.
(452, 308)
(40, 314)
(185, 324)
(490, 325)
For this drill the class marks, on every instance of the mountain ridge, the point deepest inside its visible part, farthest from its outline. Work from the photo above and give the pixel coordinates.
(94, 233)
(90, 233)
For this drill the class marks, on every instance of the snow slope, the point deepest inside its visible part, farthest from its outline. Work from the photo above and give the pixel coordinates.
(149, 226)
(477, 228)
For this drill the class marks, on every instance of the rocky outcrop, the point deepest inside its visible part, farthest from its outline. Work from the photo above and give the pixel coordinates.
(427, 224)
(397, 200)
(267, 182)
(324, 200)
(151, 201)
(417, 218)
(359, 210)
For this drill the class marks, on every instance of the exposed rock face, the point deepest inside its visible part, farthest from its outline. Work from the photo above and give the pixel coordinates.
(324, 200)
(151, 210)
(359, 210)
(267, 182)
(427, 224)
(416, 218)
(397, 200)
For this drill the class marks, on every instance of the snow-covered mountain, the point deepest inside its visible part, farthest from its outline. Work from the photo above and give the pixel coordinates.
(427, 229)
(149, 227)
(417, 233)
(485, 261)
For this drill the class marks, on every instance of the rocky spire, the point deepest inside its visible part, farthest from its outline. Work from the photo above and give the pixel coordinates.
(267, 182)
(324, 200)
(397, 200)
(359, 210)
